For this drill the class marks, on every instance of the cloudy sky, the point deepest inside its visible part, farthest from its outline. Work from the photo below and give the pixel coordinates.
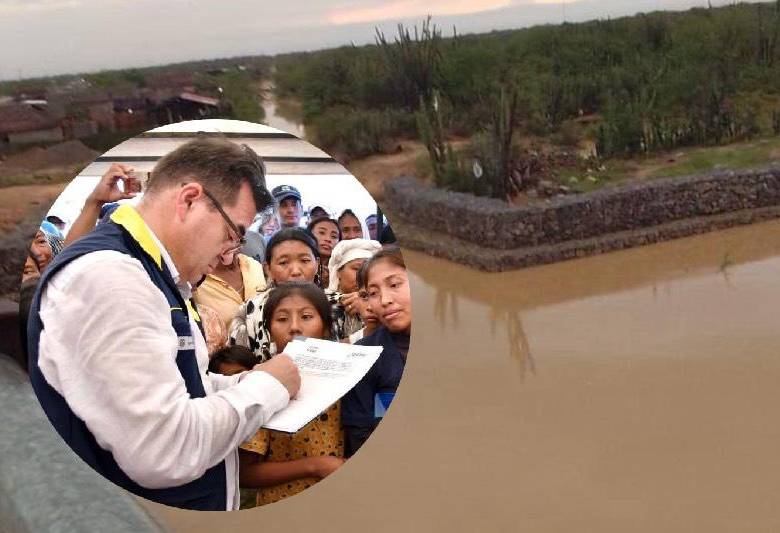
(45, 37)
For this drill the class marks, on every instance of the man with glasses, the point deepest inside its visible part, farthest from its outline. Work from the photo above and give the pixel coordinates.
(117, 356)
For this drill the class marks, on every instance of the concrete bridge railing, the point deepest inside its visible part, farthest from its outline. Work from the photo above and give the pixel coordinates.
(44, 486)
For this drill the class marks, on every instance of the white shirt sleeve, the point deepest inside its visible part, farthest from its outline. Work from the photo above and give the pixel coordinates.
(109, 349)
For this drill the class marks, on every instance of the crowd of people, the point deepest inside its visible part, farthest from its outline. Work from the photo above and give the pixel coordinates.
(157, 328)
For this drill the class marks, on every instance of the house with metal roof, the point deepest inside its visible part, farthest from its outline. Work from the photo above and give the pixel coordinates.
(24, 124)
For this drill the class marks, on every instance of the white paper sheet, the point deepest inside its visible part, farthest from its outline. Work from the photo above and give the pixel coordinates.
(328, 371)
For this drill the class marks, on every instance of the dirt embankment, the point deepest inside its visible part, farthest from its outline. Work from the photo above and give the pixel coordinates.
(57, 160)
(374, 170)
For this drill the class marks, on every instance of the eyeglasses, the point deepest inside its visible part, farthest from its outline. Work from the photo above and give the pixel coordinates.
(237, 244)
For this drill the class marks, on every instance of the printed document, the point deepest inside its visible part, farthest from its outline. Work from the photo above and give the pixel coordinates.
(328, 371)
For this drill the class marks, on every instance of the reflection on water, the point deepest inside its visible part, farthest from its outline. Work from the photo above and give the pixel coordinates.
(281, 114)
(719, 280)
(650, 402)
(445, 311)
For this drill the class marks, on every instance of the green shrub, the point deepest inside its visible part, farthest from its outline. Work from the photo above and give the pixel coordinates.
(360, 132)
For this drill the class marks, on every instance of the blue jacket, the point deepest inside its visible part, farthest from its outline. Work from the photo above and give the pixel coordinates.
(363, 407)
(126, 233)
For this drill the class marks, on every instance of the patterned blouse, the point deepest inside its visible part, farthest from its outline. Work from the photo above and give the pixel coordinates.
(247, 327)
(322, 436)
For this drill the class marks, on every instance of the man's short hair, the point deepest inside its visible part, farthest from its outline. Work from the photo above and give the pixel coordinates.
(218, 164)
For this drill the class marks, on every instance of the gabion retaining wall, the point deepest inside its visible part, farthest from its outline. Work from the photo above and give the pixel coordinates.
(494, 224)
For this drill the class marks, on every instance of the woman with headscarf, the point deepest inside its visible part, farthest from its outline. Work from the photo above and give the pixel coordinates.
(345, 262)
(350, 225)
(46, 244)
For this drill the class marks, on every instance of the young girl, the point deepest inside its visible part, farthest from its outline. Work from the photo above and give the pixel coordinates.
(387, 285)
(367, 315)
(282, 464)
(232, 360)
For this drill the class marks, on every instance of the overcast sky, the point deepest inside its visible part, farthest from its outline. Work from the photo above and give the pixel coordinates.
(46, 37)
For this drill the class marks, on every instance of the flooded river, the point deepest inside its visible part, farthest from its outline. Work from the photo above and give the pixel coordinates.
(633, 391)
(281, 114)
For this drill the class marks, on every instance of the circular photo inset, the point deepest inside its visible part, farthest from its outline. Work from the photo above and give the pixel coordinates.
(216, 321)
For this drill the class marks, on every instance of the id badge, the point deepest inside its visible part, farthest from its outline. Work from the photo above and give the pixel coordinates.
(186, 343)
(382, 402)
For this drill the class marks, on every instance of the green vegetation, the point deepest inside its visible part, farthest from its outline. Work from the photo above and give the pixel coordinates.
(646, 84)
(113, 80)
(734, 156)
(240, 94)
(357, 133)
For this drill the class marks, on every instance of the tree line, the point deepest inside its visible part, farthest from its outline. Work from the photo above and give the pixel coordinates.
(653, 82)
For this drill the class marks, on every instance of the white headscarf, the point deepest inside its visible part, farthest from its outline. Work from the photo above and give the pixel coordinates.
(346, 251)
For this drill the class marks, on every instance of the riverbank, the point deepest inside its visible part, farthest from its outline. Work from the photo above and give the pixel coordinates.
(490, 235)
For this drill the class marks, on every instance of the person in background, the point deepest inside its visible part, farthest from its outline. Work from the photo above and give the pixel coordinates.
(281, 464)
(291, 255)
(106, 192)
(254, 247)
(53, 236)
(270, 225)
(30, 277)
(51, 229)
(236, 279)
(387, 285)
(387, 238)
(350, 225)
(367, 315)
(214, 330)
(288, 198)
(328, 234)
(318, 211)
(232, 360)
(41, 250)
(345, 262)
(371, 226)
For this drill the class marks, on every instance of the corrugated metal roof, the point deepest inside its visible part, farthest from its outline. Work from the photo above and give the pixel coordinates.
(192, 97)
(16, 118)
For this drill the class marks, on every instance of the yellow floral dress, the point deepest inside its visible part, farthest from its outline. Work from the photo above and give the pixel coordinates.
(322, 436)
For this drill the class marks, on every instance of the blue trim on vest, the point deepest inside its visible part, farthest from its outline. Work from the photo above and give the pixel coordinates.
(207, 493)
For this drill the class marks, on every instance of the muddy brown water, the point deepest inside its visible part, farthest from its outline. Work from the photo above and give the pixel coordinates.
(285, 115)
(633, 391)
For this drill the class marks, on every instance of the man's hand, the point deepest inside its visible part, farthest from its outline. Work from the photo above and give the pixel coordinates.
(107, 190)
(284, 370)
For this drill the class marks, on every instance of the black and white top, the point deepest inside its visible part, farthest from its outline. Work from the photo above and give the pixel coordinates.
(247, 327)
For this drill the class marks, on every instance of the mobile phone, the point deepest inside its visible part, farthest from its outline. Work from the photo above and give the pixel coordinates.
(134, 181)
